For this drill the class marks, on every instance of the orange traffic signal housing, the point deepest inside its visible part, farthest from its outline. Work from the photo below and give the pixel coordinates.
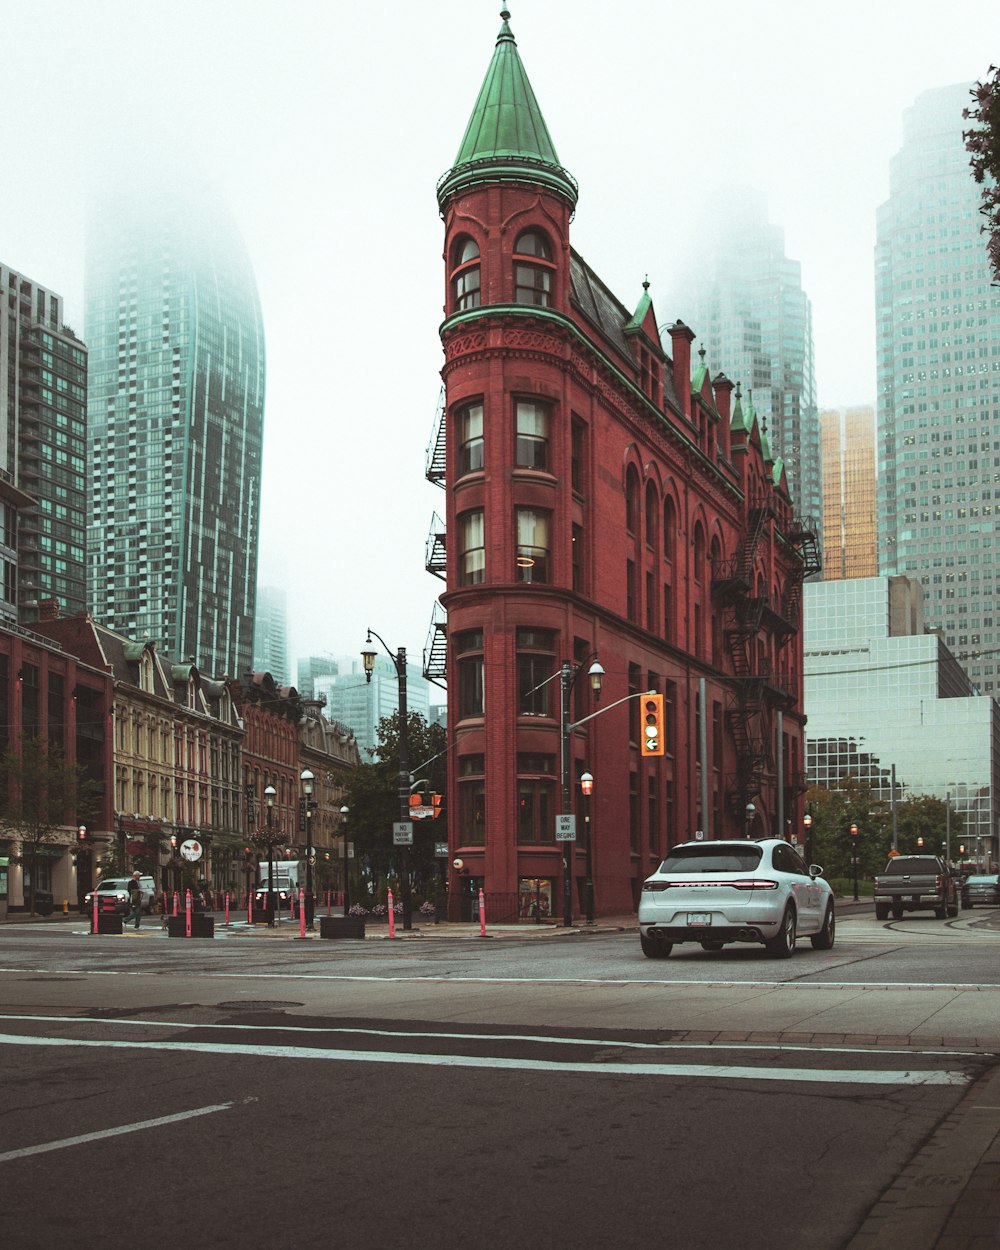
(652, 724)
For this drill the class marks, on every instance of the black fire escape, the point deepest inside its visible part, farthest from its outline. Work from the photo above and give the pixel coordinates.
(749, 616)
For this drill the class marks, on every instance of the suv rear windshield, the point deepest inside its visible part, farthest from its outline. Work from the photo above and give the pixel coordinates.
(909, 865)
(712, 859)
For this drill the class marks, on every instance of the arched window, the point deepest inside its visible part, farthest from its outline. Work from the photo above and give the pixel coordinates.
(699, 553)
(652, 515)
(632, 501)
(669, 529)
(533, 269)
(465, 280)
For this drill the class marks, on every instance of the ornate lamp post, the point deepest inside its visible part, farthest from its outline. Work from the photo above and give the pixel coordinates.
(307, 778)
(749, 812)
(807, 822)
(368, 653)
(587, 786)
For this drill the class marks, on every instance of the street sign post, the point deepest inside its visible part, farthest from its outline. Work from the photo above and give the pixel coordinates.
(402, 833)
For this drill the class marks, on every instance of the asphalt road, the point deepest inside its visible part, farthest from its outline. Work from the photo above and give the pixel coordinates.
(507, 1092)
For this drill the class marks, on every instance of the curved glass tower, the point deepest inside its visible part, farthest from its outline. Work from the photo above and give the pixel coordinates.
(176, 404)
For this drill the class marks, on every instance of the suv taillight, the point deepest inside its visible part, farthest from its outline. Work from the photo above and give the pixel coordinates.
(655, 887)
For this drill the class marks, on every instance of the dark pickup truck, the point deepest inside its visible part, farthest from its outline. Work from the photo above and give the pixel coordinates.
(916, 883)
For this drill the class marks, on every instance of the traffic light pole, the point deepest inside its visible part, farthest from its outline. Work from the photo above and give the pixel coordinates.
(566, 729)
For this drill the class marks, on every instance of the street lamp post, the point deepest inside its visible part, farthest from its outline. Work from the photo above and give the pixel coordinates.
(343, 829)
(567, 677)
(854, 858)
(807, 822)
(749, 812)
(269, 793)
(368, 653)
(587, 786)
(307, 778)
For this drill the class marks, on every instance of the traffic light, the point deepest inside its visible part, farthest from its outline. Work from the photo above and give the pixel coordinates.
(247, 855)
(652, 724)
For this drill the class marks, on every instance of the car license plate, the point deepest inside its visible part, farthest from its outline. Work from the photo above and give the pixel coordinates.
(699, 919)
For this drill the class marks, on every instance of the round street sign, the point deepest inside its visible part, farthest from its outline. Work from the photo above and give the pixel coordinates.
(191, 850)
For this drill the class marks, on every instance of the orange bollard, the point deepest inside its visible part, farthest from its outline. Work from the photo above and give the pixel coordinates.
(187, 914)
(482, 915)
(302, 913)
(392, 917)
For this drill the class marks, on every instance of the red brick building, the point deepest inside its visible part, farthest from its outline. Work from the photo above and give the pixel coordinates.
(605, 500)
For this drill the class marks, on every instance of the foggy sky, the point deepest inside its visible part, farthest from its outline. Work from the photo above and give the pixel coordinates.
(326, 126)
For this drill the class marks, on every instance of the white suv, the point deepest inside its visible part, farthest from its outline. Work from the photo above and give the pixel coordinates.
(714, 893)
(117, 887)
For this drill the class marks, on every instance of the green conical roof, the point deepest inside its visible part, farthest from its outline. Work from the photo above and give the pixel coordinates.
(506, 137)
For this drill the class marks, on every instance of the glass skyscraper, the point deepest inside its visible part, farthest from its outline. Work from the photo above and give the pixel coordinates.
(938, 319)
(176, 403)
(43, 448)
(748, 310)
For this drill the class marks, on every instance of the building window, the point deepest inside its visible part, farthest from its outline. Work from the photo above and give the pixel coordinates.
(536, 791)
(630, 596)
(471, 801)
(531, 447)
(535, 666)
(577, 557)
(470, 439)
(532, 554)
(469, 666)
(465, 275)
(533, 269)
(632, 501)
(472, 549)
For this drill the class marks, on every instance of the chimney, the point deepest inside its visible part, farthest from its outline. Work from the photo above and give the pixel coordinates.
(723, 406)
(682, 336)
(48, 610)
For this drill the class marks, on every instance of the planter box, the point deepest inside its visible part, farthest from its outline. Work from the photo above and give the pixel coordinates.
(201, 926)
(261, 915)
(341, 927)
(106, 923)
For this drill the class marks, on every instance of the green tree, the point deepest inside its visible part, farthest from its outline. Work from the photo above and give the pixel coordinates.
(833, 812)
(372, 794)
(41, 794)
(925, 816)
(983, 142)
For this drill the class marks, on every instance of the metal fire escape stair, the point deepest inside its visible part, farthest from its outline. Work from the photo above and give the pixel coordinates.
(435, 461)
(435, 549)
(436, 647)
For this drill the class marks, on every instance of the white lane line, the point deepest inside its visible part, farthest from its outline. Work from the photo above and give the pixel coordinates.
(715, 1073)
(283, 977)
(549, 1040)
(113, 1132)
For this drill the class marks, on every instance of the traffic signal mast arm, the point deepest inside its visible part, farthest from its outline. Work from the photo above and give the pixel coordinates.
(643, 694)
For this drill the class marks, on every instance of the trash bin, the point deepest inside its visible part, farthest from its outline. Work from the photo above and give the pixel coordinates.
(44, 902)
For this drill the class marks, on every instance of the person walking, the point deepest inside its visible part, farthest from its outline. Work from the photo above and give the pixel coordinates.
(135, 898)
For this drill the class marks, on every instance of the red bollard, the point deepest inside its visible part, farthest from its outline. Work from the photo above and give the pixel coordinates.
(302, 913)
(250, 907)
(392, 917)
(227, 909)
(187, 914)
(177, 903)
(96, 926)
(482, 915)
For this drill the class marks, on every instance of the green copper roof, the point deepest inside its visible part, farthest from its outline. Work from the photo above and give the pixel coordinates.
(643, 307)
(506, 137)
(738, 421)
(698, 381)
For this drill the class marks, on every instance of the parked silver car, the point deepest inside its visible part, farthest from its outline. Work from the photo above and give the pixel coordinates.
(719, 892)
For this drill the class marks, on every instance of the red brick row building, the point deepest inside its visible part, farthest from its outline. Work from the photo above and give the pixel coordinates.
(606, 501)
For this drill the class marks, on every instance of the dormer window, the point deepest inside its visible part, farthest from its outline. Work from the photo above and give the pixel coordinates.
(533, 269)
(465, 278)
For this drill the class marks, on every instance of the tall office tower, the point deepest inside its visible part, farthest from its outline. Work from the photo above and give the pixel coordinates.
(309, 668)
(175, 425)
(361, 704)
(752, 318)
(848, 463)
(939, 384)
(270, 634)
(43, 447)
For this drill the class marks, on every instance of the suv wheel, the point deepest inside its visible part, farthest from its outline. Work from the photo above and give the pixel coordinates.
(823, 940)
(654, 948)
(881, 911)
(782, 945)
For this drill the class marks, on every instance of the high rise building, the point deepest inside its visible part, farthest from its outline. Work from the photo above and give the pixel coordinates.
(938, 320)
(890, 705)
(850, 545)
(270, 634)
(361, 704)
(308, 668)
(43, 449)
(752, 318)
(176, 402)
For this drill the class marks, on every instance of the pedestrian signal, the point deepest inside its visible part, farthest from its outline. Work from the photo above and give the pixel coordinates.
(652, 724)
